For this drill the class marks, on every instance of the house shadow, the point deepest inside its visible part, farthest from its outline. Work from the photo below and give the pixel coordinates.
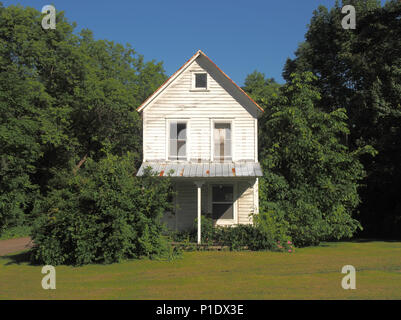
(330, 243)
(18, 258)
(364, 240)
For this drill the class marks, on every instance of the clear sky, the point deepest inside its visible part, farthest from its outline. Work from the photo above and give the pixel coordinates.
(239, 36)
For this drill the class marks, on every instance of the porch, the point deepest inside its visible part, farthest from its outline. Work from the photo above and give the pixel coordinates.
(228, 192)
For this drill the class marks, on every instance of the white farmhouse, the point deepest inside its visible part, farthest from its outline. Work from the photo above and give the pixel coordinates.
(201, 127)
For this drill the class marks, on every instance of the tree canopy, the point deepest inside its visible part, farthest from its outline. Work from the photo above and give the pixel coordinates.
(64, 97)
(310, 177)
(360, 70)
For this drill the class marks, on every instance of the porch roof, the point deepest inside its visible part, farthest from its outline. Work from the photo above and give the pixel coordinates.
(203, 169)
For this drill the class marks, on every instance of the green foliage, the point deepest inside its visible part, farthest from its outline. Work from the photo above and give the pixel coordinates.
(103, 214)
(262, 90)
(272, 226)
(16, 232)
(207, 230)
(360, 70)
(64, 97)
(310, 177)
(264, 234)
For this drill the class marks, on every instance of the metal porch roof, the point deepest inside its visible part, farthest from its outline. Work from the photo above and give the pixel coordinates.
(203, 169)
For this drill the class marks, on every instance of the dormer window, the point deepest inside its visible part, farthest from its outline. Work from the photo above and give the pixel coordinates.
(199, 81)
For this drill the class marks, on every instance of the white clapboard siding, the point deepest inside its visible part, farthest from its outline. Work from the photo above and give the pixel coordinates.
(178, 102)
(245, 202)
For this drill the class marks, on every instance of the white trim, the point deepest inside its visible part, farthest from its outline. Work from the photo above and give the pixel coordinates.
(256, 192)
(231, 121)
(211, 140)
(169, 81)
(144, 130)
(233, 140)
(179, 72)
(193, 81)
(199, 207)
(166, 138)
(188, 147)
(235, 204)
(225, 222)
(167, 143)
(256, 140)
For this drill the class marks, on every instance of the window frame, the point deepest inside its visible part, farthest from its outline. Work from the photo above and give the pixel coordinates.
(223, 222)
(193, 81)
(167, 151)
(212, 149)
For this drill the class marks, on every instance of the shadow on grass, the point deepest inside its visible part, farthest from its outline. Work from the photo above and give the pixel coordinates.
(364, 240)
(333, 243)
(19, 258)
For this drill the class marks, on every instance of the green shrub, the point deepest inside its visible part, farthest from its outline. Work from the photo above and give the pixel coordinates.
(269, 232)
(272, 226)
(16, 232)
(102, 214)
(207, 230)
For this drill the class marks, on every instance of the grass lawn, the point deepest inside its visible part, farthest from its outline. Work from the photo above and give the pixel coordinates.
(309, 273)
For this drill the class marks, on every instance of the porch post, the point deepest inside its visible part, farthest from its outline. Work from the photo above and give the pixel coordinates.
(199, 186)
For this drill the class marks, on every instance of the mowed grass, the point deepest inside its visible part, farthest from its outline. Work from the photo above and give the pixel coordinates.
(309, 273)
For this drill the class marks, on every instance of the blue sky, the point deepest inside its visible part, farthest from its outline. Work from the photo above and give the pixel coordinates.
(239, 36)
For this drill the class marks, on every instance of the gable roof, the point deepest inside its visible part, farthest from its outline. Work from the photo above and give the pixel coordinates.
(170, 80)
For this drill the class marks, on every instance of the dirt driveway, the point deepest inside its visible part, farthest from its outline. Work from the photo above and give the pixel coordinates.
(14, 245)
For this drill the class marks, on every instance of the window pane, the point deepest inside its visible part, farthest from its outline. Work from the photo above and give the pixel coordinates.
(217, 154)
(224, 129)
(227, 150)
(222, 193)
(200, 80)
(177, 141)
(173, 149)
(182, 149)
(223, 211)
(181, 131)
(173, 130)
(222, 141)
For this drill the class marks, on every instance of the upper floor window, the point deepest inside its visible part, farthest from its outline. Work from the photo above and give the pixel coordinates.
(177, 140)
(222, 141)
(199, 81)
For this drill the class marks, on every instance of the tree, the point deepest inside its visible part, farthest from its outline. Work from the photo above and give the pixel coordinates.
(102, 214)
(64, 98)
(310, 177)
(261, 89)
(359, 70)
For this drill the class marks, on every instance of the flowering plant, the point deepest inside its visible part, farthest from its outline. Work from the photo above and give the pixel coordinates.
(285, 246)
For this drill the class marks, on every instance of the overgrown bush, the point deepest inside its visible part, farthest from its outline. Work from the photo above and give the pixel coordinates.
(102, 214)
(267, 233)
(207, 230)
